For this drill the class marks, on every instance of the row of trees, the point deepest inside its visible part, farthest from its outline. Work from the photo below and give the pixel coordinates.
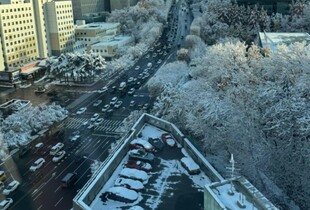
(76, 67)
(237, 101)
(17, 128)
(144, 22)
(220, 19)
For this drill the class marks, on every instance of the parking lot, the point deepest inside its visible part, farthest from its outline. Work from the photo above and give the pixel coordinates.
(165, 184)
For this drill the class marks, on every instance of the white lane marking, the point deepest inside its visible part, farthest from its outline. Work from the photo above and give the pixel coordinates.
(58, 201)
(57, 189)
(38, 195)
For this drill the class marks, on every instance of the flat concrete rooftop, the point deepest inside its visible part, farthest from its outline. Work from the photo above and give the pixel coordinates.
(169, 186)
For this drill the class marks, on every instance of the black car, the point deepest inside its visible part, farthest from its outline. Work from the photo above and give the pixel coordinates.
(157, 143)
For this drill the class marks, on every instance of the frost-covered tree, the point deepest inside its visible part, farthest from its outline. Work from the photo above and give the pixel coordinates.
(19, 126)
(238, 101)
(76, 67)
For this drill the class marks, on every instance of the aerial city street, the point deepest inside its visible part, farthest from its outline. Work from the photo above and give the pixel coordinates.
(83, 89)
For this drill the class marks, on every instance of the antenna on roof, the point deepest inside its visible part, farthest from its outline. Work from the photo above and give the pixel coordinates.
(232, 171)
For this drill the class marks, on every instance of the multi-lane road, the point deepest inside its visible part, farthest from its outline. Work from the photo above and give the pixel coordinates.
(42, 189)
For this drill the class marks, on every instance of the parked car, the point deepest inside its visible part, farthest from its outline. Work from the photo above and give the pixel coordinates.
(97, 103)
(56, 148)
(137, 68)
(157, 143)
(129, 184)
(138, 164)
(94, 117)
(168, 139)
(105, 108)
(85, 123)
(113, 101)
(99, 121)
(2, 176)
(58, 156)
(191, 167)
(132, 103)
(11, 187)
(6, 203)
(130, 80)
(141, 144)
(131, 91)
(134, 174)
(121, 194)
(139, 154)
(81, 110)
(37, 164)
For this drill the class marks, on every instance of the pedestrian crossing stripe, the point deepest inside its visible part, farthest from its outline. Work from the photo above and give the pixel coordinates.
(106, 125)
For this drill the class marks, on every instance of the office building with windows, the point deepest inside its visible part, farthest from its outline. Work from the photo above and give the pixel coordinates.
(88, 9)
(18, 33)
(60, 27)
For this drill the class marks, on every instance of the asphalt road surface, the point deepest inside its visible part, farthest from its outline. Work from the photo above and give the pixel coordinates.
(42, 189)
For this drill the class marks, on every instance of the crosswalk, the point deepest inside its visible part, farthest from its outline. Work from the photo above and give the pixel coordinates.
(106, 125)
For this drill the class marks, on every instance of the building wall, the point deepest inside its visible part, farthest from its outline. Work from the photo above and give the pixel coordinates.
(2, 67)
(120, 4)
(38, 6)
(272, 6)
(209, 201)
(81, 8)
(60, 27)
(18, 34)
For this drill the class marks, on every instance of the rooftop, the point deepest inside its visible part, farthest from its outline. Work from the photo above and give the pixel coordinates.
(114, 40)
(271, 40)
(98, 25)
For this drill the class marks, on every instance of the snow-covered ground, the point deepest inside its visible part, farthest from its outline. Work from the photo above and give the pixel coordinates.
(167, 179)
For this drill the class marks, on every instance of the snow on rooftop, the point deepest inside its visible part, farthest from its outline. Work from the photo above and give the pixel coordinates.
(115, 41)
(190, 164)
(230, 201)
(97, 25)
(164, 181)
(270, 40)
(124, 192)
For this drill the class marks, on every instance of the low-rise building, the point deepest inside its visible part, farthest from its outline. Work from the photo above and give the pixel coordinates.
(93, 194)
(270, 40)
(109, 47)
(237, 193)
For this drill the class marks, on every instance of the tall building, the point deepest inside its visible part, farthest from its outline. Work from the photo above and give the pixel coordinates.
(18, 33)
(2, 67)
(272, 6)
(39, 13)
(120, 4)
(85, 9)
(60, 27)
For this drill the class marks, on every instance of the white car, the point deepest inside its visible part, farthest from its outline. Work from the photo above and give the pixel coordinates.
(58, 156)
(81, 110)
(131, 91)
(6, 203)
(37, 164)
(132, 103)
(94, 117)
(118, 104)
(11, 187)
(56, 148)
(85, 123)
(105, 108)
(159, 61)
(98, 121)
(75, 137)
(104, 89)
(137, 68)
(113, 100)
(97, 103)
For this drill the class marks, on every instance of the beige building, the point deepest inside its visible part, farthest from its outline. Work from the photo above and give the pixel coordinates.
(60, 28)
(120, 4)
(109, 47)
(18, 33)
(2, 67)
(39, 13)
(95, 32)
